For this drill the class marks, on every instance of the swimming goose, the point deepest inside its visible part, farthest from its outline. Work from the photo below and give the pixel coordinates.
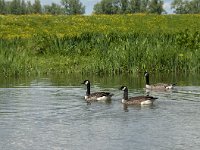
(158, 86)
(97, 96)
(138, 100)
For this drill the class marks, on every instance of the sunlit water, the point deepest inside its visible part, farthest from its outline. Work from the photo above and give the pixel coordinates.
(50, 114)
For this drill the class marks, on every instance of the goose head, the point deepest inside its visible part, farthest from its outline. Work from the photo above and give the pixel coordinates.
(146, 74)
(123, 88)
(86, 82)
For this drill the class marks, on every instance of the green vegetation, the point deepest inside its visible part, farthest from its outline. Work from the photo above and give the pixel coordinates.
(114, 44)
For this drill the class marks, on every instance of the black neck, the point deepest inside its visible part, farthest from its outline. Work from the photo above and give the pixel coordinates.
(88, 89)
(147, 79)
(126, 94)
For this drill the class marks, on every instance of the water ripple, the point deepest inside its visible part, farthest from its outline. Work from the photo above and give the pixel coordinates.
(57, 117)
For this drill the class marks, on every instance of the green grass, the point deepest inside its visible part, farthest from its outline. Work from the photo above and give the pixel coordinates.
(37, 44)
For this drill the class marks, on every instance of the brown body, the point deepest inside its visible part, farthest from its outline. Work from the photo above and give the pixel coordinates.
(158, 86)
(97, 96)
(138, 100)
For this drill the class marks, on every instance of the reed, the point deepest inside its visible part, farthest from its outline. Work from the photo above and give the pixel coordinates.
(42, 44)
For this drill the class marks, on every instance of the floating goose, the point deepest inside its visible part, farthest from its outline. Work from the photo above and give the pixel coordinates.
(158, 86)
(97, 96)
(138, 100)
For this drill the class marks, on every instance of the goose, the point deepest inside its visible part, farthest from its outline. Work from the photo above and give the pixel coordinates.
(138, 100)
(97, 96)
(158, 86)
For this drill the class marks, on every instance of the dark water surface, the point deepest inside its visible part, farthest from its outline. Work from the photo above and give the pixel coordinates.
(49, 113)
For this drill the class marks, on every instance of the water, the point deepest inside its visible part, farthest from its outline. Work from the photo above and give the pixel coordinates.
(50, 113)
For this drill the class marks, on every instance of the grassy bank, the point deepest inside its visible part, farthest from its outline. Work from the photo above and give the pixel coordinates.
(99, 44)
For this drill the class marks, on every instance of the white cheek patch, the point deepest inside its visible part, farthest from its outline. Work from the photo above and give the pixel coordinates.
(86, 82)
(124, 88)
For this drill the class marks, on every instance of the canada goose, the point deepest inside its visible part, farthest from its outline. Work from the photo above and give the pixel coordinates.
(97, 96)
(158, 86)
(138, 100)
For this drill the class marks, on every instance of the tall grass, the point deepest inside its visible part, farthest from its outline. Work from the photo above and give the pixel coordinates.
(99, 44)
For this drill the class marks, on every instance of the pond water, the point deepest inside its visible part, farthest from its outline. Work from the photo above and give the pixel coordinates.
(46, 113)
